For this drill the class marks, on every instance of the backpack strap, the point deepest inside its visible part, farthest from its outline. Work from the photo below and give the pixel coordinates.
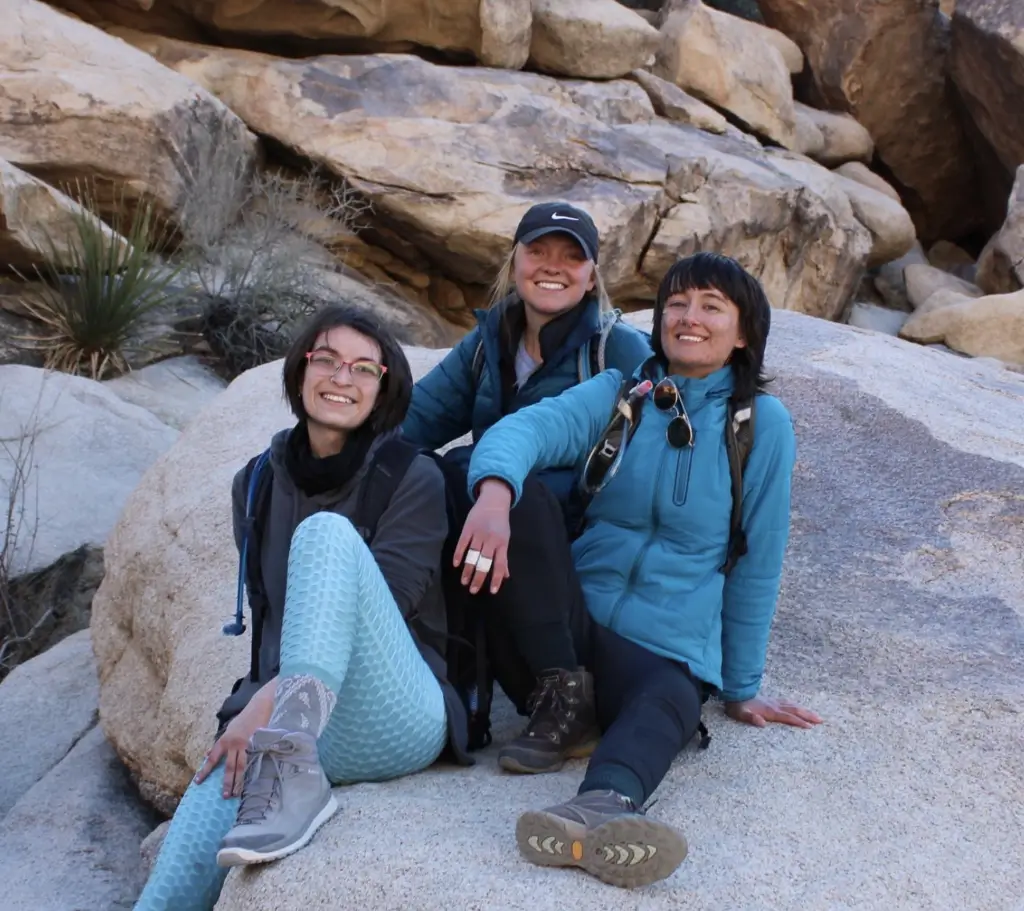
(604, 459)
(478, 362)
(591, 358)
(256, 487)
(739, 440)
(388, 468)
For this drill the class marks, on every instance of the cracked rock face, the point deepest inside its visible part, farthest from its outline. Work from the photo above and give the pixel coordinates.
(77, 103)
(450, 158)
(884, 62)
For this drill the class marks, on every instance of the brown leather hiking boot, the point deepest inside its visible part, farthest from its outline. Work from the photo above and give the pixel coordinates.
(563, 725)
(605, 834)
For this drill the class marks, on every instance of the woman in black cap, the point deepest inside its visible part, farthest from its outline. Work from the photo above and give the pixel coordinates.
(549, 327)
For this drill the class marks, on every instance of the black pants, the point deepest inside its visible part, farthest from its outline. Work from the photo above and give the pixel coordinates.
(648, 708)
(531, 624)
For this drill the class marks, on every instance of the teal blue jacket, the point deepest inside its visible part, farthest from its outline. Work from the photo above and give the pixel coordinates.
(657, 534)
(451, 400)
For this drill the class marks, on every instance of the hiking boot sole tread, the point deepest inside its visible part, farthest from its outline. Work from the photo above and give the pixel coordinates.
(627, 851)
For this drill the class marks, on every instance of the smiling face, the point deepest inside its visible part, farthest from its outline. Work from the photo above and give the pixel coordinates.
(700, 329)
(340, 387)
(552, 274)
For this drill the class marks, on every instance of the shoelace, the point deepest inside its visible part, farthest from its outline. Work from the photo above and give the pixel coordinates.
(259, 793)
(548, 696)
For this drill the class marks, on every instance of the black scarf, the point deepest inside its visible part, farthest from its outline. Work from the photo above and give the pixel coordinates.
(315, 476)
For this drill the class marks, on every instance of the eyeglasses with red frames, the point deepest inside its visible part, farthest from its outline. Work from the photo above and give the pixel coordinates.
(680, 431)
(362, 369)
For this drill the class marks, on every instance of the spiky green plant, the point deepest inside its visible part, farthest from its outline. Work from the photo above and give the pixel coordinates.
(99, 284)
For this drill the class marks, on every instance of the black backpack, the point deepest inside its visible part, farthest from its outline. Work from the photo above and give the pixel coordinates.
(389, 465)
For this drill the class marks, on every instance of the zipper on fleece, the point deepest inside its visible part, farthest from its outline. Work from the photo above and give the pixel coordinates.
(634, 571)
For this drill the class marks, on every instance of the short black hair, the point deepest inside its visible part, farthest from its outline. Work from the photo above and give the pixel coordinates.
(396, 385)
(724, 274)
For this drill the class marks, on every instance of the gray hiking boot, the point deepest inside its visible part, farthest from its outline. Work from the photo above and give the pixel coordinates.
(603, 833)
(562, 725)
(285, 798)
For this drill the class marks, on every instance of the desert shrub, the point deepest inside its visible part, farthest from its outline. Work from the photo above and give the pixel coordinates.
(249, 242)
(98, 284)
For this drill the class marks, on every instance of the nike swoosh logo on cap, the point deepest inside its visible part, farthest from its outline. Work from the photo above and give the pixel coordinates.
(557, 217)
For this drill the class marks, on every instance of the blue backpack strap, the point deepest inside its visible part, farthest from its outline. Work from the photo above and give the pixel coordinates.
(237, 626)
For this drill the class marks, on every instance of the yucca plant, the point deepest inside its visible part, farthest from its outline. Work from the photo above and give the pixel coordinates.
(98, 284)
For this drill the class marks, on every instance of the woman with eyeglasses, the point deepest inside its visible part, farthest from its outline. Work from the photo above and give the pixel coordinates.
(347, 683)
(669, 626)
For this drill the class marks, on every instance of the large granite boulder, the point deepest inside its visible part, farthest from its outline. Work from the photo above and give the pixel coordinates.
(900, 621)
(987, 64)
(86, 821)
(51, 701)
(884, 62)
(492, 32)
(388, 125)
(82, 449)
(68, 112)
(725, 62)
(989, 326)
(1001, 264)
(597, 40)
(37, 222)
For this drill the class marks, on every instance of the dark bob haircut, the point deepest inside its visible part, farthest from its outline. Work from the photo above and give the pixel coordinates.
(722, 273)
(396, 385)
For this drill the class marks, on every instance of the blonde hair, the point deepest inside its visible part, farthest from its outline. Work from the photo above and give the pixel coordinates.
(504, 283)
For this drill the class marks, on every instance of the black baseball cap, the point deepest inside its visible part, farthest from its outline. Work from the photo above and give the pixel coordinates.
(560, 217)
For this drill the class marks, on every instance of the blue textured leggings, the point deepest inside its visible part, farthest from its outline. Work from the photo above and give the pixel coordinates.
(341, 625)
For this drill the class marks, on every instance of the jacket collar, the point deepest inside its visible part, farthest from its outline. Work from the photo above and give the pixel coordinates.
(502, 327)
(695, 391)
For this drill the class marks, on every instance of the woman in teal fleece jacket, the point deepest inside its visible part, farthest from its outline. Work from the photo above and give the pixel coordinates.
(669, 626)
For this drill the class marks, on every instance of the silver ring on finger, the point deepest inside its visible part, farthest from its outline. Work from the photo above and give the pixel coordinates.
(472, 557)
(484, 565)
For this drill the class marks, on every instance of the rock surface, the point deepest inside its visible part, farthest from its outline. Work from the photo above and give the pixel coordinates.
(90, 450)
(175, 390)
(987, 64)
(890, 280)
(884, 62)
(1001, 264)
(924, 281)
(72, 842)
(920, 625)
(892, 231)
(877, 319)
(387, 124)
(48, 605)
(597, 40)
(990, 326)
(843, 138)
(721, 60)
(857, 170)
(672, 103)
(98, 108)
(37, 222)
(50, 703)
